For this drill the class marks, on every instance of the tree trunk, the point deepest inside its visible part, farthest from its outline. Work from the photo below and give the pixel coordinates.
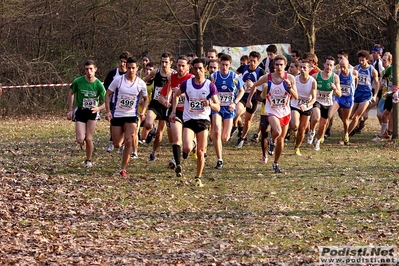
(394, 33)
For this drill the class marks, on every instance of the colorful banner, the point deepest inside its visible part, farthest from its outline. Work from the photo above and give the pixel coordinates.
(237, 52)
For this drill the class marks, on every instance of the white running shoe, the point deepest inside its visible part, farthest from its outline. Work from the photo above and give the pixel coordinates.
(110, 147)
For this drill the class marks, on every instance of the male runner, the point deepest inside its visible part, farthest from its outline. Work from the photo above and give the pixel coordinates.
(200, 98)
(157, 111)
(114, 73)
(230, 90)
(327, 84)
(128, 89)
(301, 108)
(281, 86)
(88, 90)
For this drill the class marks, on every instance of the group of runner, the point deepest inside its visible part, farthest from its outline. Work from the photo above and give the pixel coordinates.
(205, 93)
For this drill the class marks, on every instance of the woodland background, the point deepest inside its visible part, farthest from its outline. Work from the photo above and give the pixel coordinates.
(47, 41)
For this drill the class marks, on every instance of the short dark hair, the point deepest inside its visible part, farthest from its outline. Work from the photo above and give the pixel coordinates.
(182, 57)
(255, 54)
(213, 51)
(212, 61)
(167, 55)
(131, 60)
(296, 63)
(343, 52)
(125, 55)
(330, 58)
(226, 57)
(272, 49)
(363, 53)
(244, 57)
(199, 60)
(220, 54)
(192, 54)
(90, 62)
(150, 64)
(298, 54)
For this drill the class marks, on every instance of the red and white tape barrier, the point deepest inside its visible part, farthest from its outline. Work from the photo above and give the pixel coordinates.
(36, 86)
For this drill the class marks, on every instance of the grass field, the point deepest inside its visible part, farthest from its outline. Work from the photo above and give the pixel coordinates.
(55, 211)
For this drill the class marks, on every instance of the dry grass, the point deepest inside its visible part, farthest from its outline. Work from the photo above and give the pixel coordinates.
(55, 211)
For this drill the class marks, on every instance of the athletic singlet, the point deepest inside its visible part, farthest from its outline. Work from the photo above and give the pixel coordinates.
(193, 108)
(324, 94)
(365, 79)
(175, 81)
(304, 93)
(159, 82)
(347, 84)
(386, 81)
(277, 98)
(227, 86)
(263, 89)
(252, 75)
(127, 96)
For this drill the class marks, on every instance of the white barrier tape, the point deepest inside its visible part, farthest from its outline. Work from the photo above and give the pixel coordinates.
(35, 86)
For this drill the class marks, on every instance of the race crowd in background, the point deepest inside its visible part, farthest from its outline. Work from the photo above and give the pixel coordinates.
(204, 98)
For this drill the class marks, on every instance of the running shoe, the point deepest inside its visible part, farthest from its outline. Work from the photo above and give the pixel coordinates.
(178, 170)
(134, 155)
(377, 139)
(123, 173)
(88, 164)
(194, 150)
(386, 136)
(322, 140)
(110, 147)
(121, 148)
(311, 135)
(264, 159)
(151, 134)
(255, 138)
(240, 143)
(239, 134)
(276, 168)
(152, 157)
(298, 151)
(271, 147)
(82, 146)
(219, 164)
(346, 139)
(233, 130)
(172, 164)
(317, 145)
(198, 182)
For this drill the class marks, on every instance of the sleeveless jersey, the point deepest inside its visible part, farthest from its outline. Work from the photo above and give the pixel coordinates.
(175, 81)
(277, 98)
(193, 108)
(324, 94)
(386, 81)
(304, 93)
(227, 86)
(252, 75)
(347, 84)
(365, 79)
(127, 96)
(159, 82)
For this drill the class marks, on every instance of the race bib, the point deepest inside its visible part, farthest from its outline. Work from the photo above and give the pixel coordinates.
(324, 97)
(157, 92)
(89, 102)
(196, 105)
(226, 98)
(363, 78)
(346, 90)
(278, 102)
(302, 101)
(180, 101)
(127, 102)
